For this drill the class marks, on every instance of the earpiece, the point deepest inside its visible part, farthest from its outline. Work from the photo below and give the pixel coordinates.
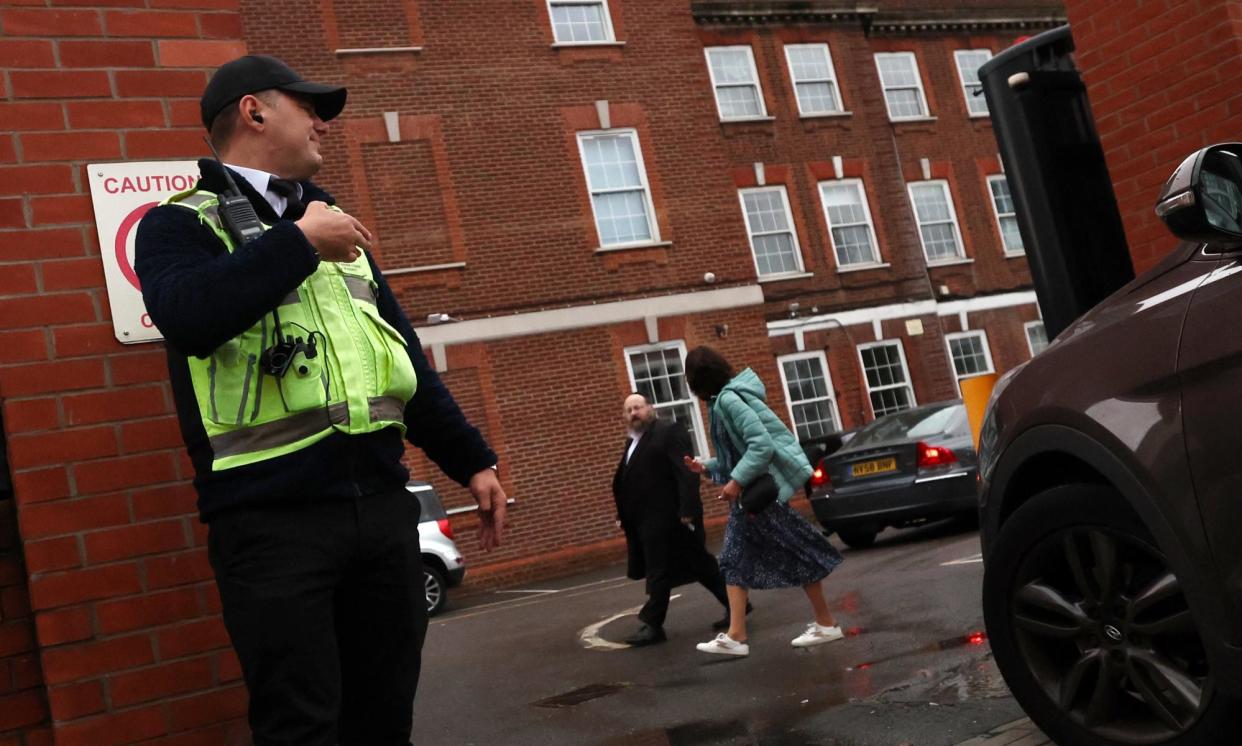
(256, 116)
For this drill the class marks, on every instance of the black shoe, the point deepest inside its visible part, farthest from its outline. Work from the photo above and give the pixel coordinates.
(646, 635)
(720, 624)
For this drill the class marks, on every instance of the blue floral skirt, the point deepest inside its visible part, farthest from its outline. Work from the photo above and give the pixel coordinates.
(777, 548)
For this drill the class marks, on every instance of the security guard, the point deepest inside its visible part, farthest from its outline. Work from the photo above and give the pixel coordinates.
(295, 375)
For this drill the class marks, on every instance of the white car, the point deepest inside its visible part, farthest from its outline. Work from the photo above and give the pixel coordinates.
(443, 565)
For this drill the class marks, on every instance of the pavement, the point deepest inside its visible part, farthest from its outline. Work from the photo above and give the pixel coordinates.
(543, 664)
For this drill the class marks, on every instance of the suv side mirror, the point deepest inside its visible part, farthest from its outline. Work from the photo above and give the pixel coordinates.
(1202, 200)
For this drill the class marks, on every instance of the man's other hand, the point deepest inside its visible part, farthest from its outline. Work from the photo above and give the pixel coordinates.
(335, 235)
(492, 506)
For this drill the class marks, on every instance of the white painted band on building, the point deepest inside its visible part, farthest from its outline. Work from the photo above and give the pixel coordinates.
(582, 317)
(874, 314)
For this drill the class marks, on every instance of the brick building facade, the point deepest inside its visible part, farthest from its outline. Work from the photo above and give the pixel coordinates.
(1162, 83)
(590, 194)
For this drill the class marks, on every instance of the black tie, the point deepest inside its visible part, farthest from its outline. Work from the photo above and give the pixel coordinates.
(288, 190)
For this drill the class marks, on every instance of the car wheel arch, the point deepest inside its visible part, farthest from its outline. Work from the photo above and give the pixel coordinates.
(1095, 458)
(434, 561)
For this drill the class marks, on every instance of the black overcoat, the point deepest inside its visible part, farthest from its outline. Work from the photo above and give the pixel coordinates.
(653, 491)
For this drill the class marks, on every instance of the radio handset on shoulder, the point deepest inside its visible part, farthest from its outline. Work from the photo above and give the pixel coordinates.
(243, 224)
(236, 212)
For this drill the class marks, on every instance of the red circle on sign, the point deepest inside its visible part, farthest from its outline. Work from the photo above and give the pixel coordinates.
(122, 240)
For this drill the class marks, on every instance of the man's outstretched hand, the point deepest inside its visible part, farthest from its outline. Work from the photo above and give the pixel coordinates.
(492, 506)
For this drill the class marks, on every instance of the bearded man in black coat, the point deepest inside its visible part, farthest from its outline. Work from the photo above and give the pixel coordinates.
(659, 509)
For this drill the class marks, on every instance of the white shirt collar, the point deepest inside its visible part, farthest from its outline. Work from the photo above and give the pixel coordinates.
(259, 180)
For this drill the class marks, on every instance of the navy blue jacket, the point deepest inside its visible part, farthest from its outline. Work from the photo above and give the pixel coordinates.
(200, 296)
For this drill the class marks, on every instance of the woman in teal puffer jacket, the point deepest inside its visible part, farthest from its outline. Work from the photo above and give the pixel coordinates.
(776, 547)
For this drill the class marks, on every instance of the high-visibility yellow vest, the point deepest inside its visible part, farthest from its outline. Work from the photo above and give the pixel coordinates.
(358, 382)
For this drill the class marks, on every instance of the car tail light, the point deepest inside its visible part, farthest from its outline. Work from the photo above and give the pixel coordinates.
(819, 477)
(933, 456)
(446, 528)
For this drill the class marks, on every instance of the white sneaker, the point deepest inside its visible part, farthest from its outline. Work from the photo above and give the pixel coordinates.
(724, 645)
(817, 634)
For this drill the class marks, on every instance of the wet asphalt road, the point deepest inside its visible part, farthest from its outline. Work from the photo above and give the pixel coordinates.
(513, 667)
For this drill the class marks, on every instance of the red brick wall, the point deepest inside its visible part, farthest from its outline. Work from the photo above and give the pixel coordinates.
(23, 701)
(1163, 81)
(125, 616)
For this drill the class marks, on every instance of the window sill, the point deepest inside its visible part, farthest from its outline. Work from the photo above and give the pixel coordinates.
(862, 267)
(424, 268)
(827, 115)
(950, 262)
(586, 44)
(634, 247)
(981, 116)
(377, 50)
(912, 120)
(785, 276)
(745, 120)
(1015, 254)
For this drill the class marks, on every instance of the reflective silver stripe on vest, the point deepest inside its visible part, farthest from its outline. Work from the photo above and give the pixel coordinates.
(292, 299)
(295, 427)
(360, 289)
(386, 408)
(196, 200)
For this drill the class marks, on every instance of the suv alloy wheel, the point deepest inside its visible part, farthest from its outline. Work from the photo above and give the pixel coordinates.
(1090, 627)
(435, 589)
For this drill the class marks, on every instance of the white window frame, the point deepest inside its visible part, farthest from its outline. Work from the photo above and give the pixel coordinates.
(610, 34)
(754, 72)
(987, 354)
(999, 215)
(905, 369)
(957, 231)
(831, 396)
(870, 223)
(697, 433)
(918, 80)
(839, 106)
(1026, 331)
(966, 85)
(793, 230)
(645, 184)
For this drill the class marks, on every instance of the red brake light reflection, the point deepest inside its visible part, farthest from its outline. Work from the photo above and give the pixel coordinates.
(818, 477)
(932, 456)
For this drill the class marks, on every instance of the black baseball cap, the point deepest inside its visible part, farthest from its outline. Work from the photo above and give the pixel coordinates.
(257, 72)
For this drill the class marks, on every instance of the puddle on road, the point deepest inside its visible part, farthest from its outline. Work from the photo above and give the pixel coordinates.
(974, 638)
(705, 733)
(581, 694)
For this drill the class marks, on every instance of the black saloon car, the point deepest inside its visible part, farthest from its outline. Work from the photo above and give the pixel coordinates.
(902, 469)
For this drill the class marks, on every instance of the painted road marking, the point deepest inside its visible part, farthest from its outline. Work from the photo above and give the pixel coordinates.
(972, 559)
(589, 637)
(514, 603)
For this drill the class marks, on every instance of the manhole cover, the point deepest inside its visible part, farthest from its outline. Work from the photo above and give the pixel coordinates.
(580, 695)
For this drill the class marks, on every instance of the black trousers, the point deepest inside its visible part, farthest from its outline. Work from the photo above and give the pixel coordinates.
(325, 605)
(671, 559)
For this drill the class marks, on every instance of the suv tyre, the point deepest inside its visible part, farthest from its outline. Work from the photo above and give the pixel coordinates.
(1091, 630)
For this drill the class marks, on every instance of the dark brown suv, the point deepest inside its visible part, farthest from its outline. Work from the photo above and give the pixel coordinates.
(1111, 495)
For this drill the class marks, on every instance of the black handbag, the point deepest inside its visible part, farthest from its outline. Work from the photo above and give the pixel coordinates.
(759, 494)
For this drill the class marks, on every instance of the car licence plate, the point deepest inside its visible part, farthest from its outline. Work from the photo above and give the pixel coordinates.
(879, 466)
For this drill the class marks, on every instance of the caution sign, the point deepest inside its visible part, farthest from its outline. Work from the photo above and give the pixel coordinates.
(122, 193)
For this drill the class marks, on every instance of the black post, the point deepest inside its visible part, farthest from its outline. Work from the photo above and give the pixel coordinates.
(1067, 212)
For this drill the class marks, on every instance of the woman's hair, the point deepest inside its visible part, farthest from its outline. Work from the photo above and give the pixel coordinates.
(707, 372)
